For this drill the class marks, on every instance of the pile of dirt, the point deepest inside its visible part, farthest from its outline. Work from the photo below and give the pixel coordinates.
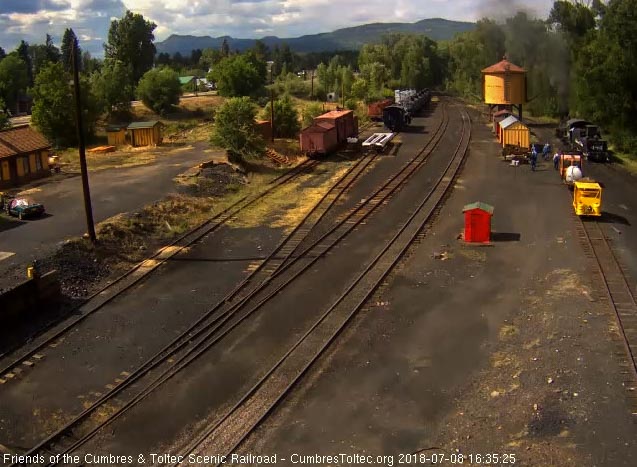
(213, 180)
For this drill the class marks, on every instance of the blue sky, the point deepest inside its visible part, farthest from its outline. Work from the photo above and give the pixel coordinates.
(90, 19)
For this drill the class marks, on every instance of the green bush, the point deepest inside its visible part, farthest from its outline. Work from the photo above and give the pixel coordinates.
(312, 110)
(286, 118)
(159, 90)
(235, 130)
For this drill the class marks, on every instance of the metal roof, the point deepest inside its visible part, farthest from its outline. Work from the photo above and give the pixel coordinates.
(504, 66)
(139, 125)
(334, 114)
(186, 79)
(478, 205)
(116, 127)
(507, 122)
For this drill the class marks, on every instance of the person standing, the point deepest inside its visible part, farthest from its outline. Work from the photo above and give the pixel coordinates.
(556, 160)
(533, 158)
(546, 151)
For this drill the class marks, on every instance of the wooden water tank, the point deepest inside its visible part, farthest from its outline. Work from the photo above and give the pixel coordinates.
(504, 84)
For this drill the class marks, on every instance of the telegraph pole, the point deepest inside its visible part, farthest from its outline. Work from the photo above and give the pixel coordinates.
(271, 106)
(82, 148)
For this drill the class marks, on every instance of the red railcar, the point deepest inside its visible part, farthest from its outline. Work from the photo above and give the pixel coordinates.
(375, 109)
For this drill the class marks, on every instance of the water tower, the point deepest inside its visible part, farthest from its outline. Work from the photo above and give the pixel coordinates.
(504, 86)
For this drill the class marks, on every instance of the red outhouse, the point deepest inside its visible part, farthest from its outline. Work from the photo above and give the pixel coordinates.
(477, 222)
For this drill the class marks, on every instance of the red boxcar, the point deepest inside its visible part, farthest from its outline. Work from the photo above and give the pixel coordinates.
(343, 120)
(319, 138)
(375, 109)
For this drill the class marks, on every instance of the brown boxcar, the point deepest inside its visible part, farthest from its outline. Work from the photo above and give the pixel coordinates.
(319, 138)
(343, 120)
(375, 109)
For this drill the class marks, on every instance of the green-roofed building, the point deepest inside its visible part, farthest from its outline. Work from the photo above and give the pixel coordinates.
(145, 133)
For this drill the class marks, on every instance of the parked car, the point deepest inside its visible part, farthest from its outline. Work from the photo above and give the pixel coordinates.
(23, 207)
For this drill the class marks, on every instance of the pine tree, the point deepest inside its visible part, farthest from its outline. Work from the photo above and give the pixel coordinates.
(67, 48)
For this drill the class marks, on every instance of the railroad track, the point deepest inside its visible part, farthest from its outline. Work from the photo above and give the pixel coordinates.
(141, 270)
(616, 290)
(218, 322)
(63, 441)
(229, 432)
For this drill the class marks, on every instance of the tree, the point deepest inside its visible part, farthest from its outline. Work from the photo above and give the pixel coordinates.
(53, 109)
(112, 86)
(130, 40)
(238, 75)
(286, 118)
(4, 117)
(236, 131)
(14, 79)
(67, 49)
(2, 53)
(90, 64)
(159, 89)
(41, 54)
(23, 54)
(225, 48)
(311, 111)
(209, 58)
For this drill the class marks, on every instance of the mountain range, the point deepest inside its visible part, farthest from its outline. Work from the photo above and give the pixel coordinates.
(352, 38)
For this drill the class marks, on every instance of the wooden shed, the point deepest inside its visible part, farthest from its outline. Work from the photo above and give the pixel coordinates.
(514, 132)
(116, 135)
(145, 133)
(498, 117)
(24, 155)
(477, 222)
(319, 138)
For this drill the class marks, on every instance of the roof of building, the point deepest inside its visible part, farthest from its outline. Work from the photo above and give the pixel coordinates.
(21, 140)
(504, 66)
(334, 114)
(507, 122)
(116, 127)
(478, 205)
(186, 79)
(139, 125)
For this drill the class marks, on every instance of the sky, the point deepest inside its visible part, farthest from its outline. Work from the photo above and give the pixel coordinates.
(90, 19)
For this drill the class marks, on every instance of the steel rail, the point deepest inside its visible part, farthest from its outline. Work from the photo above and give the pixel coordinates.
(457, 159)
(613, 287)
(222, 217)
(329, 198)
(188, 358)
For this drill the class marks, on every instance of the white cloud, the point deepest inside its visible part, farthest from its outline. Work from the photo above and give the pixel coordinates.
(238, 18)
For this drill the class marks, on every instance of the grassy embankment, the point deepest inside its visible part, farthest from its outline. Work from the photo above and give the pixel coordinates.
(190, 123)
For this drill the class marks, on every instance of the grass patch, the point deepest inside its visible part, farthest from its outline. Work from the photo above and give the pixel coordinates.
(628, 161)
(70, 159)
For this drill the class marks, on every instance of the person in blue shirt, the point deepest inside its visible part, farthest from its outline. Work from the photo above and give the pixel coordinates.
(533, 158)
(546, 151)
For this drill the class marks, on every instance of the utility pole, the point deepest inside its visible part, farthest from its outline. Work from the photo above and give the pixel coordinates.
(312, 86)
(271, 107)
(82, 148)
